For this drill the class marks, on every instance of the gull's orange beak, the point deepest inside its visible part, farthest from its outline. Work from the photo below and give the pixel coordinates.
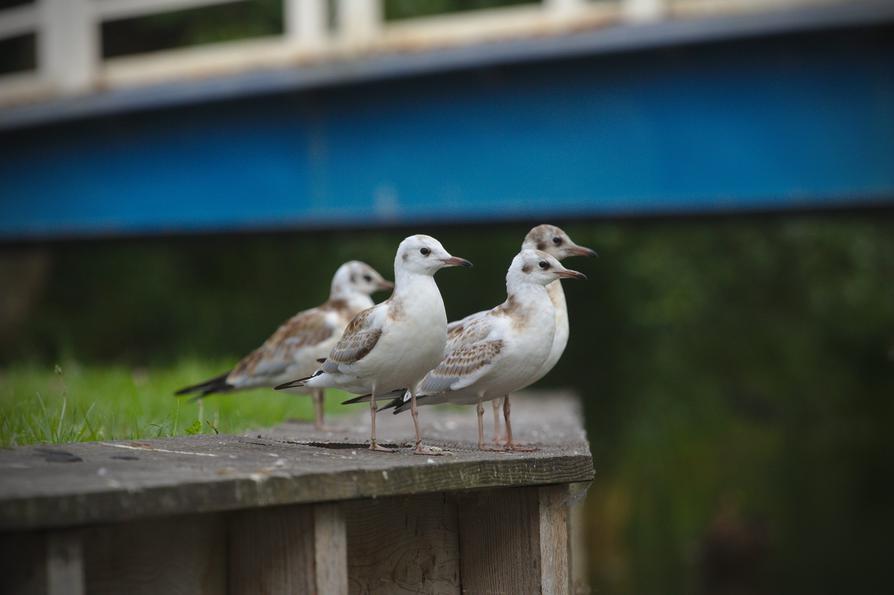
(456, 261)
(385, 285)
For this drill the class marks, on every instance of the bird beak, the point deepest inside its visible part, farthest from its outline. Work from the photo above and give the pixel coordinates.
(456, 261)
(569, 274)
(384, 285)
(576, 250)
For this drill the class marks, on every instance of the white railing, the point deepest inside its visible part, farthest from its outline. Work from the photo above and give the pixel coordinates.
(68, 34)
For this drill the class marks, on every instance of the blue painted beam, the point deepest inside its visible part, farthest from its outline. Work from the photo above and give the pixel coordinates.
(785, 122)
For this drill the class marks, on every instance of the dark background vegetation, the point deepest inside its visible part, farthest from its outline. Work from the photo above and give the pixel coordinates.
(737, 374)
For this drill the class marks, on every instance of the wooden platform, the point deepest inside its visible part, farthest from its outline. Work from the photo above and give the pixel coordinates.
(295, 511)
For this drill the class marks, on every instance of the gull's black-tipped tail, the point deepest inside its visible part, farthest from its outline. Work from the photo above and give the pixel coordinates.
(218, 384)
(361, 399)
(395, 403)
(397, 395)
(293, 383)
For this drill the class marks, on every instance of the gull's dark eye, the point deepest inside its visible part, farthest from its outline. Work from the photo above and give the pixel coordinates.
(424, 251)
(543, 264)
(557, 241)
(367, 278)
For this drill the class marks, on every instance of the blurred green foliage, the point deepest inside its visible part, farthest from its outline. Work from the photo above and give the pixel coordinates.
(737, 375)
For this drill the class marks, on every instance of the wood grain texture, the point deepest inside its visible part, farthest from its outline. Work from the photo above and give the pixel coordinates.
(94, 483)
(499, 541)
(555, 540)
(42, 563)
(330, 549)
(180, 555)
(403, 546)
(271, 551)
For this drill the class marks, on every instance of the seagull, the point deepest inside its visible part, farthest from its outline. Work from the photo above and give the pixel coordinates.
(500, 350)
(395, 343)
(557, 243)
(293, 350)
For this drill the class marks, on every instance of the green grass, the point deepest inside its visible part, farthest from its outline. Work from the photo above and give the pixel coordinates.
(73, 403)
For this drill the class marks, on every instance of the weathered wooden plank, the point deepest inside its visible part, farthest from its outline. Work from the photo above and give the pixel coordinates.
(580, 576)
(182, 555)
(555, 540)
(92, 483)
(271, 551)
(499, 541)
(516, 541)
(42, 563)
(403, 545)
(330, 549)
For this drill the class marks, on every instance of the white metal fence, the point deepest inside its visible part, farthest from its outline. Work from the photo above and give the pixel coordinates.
(69, 36)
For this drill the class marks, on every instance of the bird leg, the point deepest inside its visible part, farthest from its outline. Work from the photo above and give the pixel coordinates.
(481, 445)
(496, 405)
(318, 409)
(318, 397)
(510, 445)
(372, 422)
(421, 449)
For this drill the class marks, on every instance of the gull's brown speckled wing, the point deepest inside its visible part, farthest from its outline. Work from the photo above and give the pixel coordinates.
(462, 367)
(306, 329)
(471, 329)
(359, 339)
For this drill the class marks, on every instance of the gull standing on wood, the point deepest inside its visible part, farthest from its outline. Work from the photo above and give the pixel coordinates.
(295, 347)
(503, 349)
(393, 344)
(556, 243)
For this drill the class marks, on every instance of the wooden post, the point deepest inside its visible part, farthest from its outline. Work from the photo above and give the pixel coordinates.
(68, 50)
(300, 550)
(42, 564)
(330, 549)
(305, 22)
(515, 541)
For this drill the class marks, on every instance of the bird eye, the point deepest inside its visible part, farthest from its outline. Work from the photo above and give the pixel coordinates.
(367, 278)
(557, 241)
(424, 251)
(543, 264)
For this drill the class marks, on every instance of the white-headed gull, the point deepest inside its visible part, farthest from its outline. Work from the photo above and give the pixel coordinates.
(556, 243)
(393, 344)
(295, 347)
(503, 349)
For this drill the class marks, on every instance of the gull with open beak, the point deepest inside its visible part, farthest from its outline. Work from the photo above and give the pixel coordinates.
(502, 350)
(295, 347)
(393, 344)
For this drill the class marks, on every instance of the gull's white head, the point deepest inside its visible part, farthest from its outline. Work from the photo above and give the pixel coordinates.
(355, 277)
(555, 242)
(534, 267)
(424, 255)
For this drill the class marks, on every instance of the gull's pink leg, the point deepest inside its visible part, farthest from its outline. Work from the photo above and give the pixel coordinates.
(318, 396)
(372, 422)
(479, 409)
(496, 405)
(421, 449)
(510, 445)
